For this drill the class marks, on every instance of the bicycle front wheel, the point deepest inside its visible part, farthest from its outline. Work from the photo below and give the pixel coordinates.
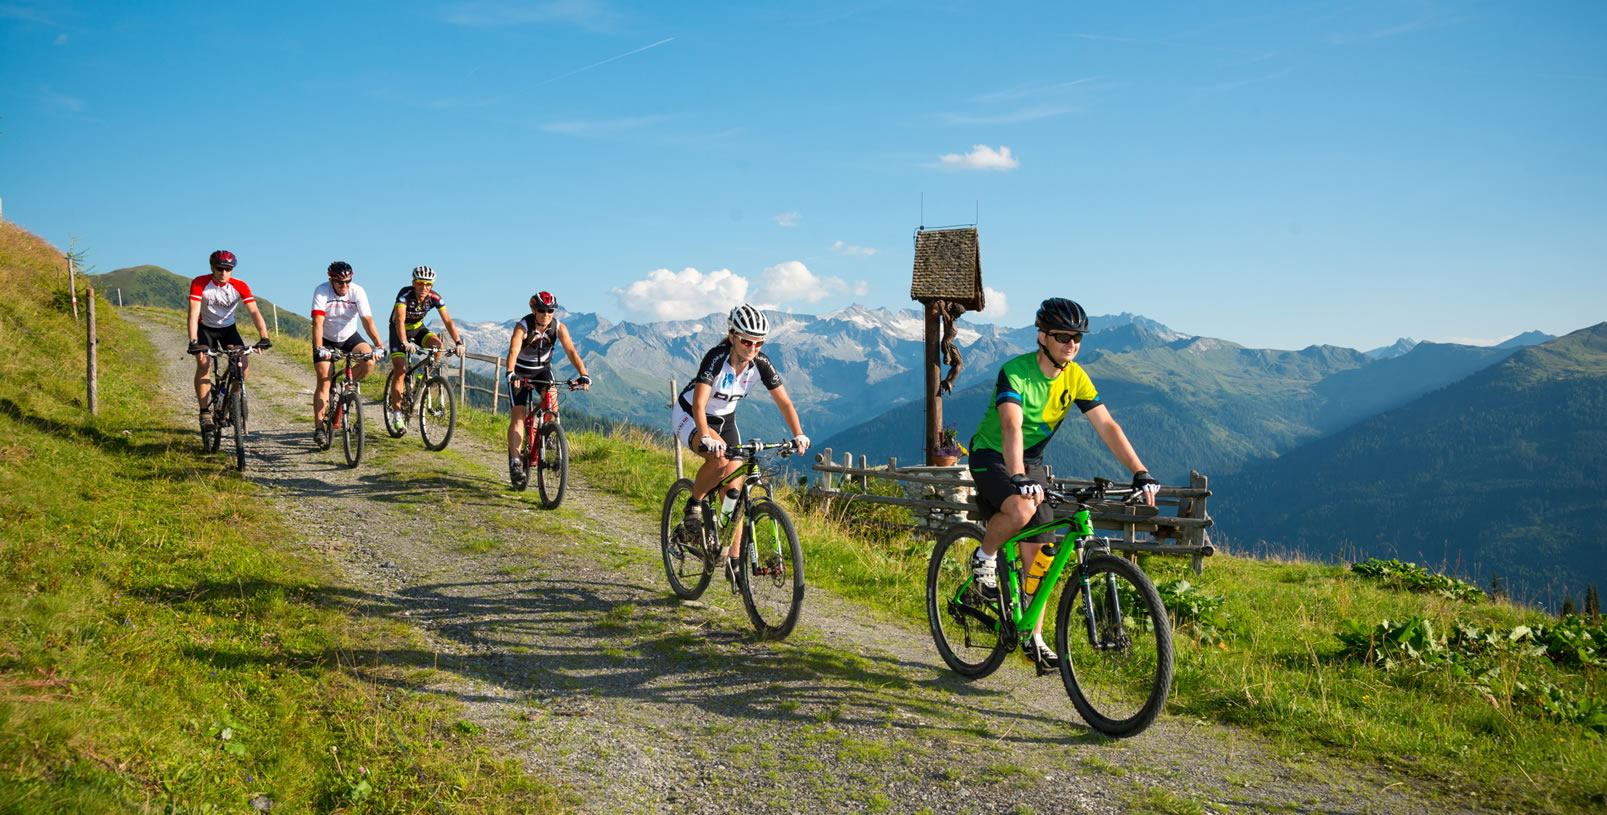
(238, 419)
(392, 428)
(351, 426)
(1115, 646)
(211, 440)
(970, 630)
(553, 471)
(437, 413)
(772, 577)
(688, 558)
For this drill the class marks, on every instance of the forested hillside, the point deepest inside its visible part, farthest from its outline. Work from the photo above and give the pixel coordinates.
(1499, 474)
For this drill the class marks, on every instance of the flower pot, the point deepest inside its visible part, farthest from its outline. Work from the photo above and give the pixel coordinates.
(945, 461)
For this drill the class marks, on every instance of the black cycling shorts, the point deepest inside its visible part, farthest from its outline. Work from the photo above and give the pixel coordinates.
(527, 397)
(216, 338)
(993, 486)
(417, 336)
(347, 345)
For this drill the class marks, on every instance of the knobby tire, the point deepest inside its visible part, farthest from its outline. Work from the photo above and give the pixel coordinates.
(553, 473)
(687, 563)
(969, 630)
(772, 574)
(1119, 691)
(437, 413)
(385, 415)
(351, 426)
(237, 418)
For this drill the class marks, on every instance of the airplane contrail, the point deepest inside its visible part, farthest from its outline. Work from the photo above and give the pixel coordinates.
(605, 62)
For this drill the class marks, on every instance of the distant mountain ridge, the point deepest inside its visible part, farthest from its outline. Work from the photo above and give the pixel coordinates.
(1500, 473)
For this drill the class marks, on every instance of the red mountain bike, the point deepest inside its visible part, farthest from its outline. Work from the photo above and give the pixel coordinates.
(545, 450)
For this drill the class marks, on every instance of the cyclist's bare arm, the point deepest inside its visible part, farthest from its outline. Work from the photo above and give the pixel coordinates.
(788, 412)
(256, 317)
(700, 406)
(574, 356)
(373, 331)
(451, 327)
(1010, 418)
(194, 320)
(514, 342)
(1111, 434)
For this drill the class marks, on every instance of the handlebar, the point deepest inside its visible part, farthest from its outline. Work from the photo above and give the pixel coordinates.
(1102, 488)
(233, 351)
(749, 450)
(425, 349)
(332, 355)
(526, 382)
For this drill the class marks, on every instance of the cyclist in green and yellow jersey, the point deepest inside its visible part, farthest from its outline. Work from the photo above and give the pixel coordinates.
(1034, 393)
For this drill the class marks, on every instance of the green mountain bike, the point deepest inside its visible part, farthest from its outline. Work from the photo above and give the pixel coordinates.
(1111, 631)
(768, 572)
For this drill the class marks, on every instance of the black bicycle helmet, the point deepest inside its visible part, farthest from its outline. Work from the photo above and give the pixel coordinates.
(340, 271)
(1060, 314)
(543, 301)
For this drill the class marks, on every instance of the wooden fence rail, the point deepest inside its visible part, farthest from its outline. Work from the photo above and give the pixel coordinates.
(944, 495)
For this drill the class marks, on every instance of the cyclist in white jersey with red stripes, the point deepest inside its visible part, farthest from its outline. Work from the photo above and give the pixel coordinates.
(704, 412)
(338, 305)
(213, 300)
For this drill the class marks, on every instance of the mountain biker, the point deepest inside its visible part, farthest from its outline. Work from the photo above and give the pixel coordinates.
(338, 305)
(408, 334)
(214, 298)
(703, 415)
(530, 357)
(1034, 392)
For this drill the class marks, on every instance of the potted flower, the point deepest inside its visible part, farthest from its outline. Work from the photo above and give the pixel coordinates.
(948, 449)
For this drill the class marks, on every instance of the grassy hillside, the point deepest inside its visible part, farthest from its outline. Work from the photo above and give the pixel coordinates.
(155, 286)
(160, 649)
(1499, 474)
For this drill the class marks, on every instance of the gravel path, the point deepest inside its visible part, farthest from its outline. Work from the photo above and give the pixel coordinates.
(558, 635)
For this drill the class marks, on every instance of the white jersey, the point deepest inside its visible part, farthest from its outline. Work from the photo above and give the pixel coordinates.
(341, 314)
(726, 385)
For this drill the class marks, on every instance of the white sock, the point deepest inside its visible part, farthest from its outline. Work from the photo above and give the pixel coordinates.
(981, 555)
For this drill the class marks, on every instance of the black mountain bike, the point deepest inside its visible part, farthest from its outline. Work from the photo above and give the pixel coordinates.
(426, 393)
(1112, 632)
(344, 412)
(227, 402)
(769, 571)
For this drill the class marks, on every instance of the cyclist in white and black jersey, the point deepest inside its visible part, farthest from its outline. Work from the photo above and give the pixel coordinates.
(704, 412)
(338, 305)
(530, 358)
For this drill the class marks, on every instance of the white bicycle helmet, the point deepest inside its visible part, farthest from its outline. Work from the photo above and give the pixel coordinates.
(746, 319)
(424, 273)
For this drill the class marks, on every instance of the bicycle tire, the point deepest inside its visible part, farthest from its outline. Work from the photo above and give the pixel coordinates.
(435, 408)
(552, 474)
(772, 574)
(238, 420)
(687, 562)
(211, 440)
(1118, 689)
(351, 426)
(385, 414)
(969, 630)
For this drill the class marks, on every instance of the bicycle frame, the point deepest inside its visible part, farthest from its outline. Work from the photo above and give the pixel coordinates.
(539, 415)
(225, 378)
(750, 475)
(336, 406)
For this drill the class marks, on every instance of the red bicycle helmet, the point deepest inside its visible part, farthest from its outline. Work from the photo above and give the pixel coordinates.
(543, 301)
(222, 257)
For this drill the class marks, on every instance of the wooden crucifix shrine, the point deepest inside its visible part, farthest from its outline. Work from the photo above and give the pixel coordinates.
(948, 282)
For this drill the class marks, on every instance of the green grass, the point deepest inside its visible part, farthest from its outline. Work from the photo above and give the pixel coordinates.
(159, 648)
(1279, 671)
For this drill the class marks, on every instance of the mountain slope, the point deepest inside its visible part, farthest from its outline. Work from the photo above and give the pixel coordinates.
(1501, 473)
(155, 286)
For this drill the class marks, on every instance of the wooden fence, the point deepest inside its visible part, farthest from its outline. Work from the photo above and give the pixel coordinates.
(941, 496)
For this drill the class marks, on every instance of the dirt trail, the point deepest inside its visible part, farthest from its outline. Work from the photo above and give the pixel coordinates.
(557, 633)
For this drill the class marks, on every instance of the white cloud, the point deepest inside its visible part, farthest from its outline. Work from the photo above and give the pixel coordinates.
(981, 157)
(788, 219)
(61, 39)
(849, 249)
(684, 295)
(995, 305)
(792, 280)
(602, 128)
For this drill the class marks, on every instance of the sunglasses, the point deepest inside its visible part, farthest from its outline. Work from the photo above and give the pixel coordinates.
(1064, 337)
(545, 310)
(750, 343)
(222, 268)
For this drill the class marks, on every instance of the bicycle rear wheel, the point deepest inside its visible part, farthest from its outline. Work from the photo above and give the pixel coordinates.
(351, 426)
(1115, 646)
(437, 413)
(969, 629)
(385, 414)
(237, 418)
(772, 577)
(553, 472)
(688, 559)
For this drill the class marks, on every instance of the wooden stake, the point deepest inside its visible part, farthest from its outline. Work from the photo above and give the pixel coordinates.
(93, 386)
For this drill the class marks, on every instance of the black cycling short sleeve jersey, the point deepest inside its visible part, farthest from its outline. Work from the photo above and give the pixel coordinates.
(727, 385)
(535, 353)
(417, 308)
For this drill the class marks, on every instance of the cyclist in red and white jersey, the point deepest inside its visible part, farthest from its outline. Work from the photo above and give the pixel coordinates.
(530, 358)
(704, 414)
(213, 300)
(338, 305)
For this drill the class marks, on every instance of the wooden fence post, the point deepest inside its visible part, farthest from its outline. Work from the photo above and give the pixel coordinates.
(496, 376)
(119, 296)
(276, 319)
(93, 394)
(463, 377)
(72, 284)
(674, 442)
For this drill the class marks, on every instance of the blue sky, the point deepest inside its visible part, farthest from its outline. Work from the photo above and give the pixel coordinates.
(1278, 174)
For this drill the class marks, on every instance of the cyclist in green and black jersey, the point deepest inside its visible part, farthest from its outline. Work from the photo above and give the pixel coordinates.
(1033, 395)
(413, 304)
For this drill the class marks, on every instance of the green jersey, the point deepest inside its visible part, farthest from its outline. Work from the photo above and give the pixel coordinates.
(1044, 402)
